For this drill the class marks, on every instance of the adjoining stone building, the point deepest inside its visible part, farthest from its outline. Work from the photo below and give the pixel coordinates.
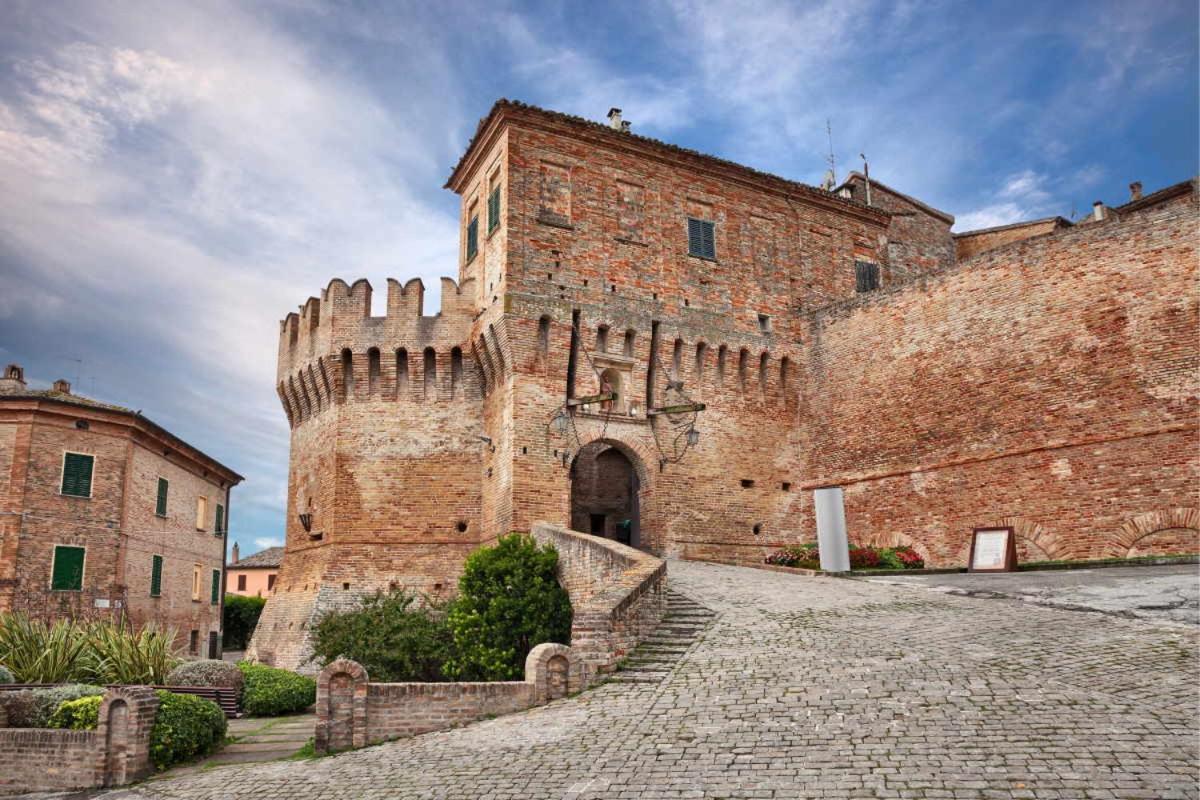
(674, 350)
(104, 513)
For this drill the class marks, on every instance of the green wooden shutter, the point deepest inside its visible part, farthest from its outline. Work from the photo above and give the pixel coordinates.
(220, 526)
(160, 507)
(494, 209)
(695, 239)
(68, 569)
(156, 564)
(77, 475)
(216, 586)
(472, 238)
(708, 244)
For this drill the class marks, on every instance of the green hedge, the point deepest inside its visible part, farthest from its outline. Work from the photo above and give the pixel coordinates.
(185, 727)
(270, 692)
(32, 708)
(239, 620)
(391, 635)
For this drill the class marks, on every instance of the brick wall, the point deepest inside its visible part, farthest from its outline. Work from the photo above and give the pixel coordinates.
(972, 243)
(1051, 383)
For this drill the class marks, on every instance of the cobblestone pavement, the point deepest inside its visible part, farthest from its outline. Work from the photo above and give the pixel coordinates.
(1170, 593)
(817, 688)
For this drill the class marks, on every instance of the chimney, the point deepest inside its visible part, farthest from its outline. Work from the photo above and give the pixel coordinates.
(14, 378)
(233, 557)
(1135, 191)
(62, 386)
(1098, 211)
(615, 122)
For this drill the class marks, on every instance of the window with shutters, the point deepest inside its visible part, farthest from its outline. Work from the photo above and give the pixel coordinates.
(160, 505)
(196, 571)
(215, 595)
(241, 583)
(77, 474)
(156, 564)
(702, 238)
(66, 573)
(494, 209)
(270, 582)
(866, 276)
(201, 513)
(219, 527)
(472, 238)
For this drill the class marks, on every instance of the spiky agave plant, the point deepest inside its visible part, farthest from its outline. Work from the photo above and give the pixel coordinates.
(118, 654)
(37, 652)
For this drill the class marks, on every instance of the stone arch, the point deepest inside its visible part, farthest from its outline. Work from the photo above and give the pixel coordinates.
(647, 532)
(554, 670)
(1034, 543)
(341, 706)
(1170, 530)
(124, 721)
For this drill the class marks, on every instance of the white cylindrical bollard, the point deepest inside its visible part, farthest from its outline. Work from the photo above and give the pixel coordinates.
(831, 529)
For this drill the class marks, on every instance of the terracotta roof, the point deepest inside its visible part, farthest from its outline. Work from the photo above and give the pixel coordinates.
(877, 184)
(1162, 195)
(271, 557)
(1066, 223)
(624, 137)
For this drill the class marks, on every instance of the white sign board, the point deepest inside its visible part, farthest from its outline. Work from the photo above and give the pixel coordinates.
(991, 549)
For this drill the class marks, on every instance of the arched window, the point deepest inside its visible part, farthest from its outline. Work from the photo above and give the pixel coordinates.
(722, 353)
(701, 355)
(743, 367)
(630, 337)
(347, 374)
(430, 384)
(763, 362)
(373, 371)
(455, 372)
(401, 374)
(602, 339)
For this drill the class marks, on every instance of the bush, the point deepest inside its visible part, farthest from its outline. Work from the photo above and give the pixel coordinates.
(5, 675)
(270, 692)
(97, 652)
(32, 708)
(240, 619)
(863, 558)
(118, 655)
(392, 636)
(803, 556)
(186, 726)
(910, 558)
(509, 600)
(888, 559)
(77, 715)
(209, 672)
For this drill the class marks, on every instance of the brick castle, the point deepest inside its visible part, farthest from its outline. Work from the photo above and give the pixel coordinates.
(673, 350)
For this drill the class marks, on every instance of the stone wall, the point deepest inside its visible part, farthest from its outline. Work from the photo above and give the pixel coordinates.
(353, 712)
(618, 594)
(1051, 385)
(972, 243)
(116, 753)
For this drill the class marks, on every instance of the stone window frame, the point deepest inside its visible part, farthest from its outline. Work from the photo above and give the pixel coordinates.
(202, 512)
(63, 474)
(197, 583)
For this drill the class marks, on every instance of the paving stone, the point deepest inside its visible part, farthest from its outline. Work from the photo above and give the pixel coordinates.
(816, 688)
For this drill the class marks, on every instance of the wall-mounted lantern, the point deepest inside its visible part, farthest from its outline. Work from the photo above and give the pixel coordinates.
(306, 522)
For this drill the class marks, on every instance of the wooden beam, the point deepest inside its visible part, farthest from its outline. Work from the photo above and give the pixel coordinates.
(595, 398)
(680, 409)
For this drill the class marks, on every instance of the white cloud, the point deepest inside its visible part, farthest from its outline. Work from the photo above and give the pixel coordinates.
(263, 543)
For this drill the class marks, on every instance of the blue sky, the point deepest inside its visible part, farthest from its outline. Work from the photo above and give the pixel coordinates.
(175, 178)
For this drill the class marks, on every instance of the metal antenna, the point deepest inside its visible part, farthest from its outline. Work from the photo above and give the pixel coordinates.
(866, 176)
(830, 160)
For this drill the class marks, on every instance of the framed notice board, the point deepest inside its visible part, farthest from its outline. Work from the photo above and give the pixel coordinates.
(993, 550)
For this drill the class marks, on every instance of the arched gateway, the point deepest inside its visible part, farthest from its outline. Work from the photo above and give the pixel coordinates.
(607, 492)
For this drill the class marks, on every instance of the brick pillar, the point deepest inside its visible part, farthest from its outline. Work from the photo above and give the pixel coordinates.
(126, 717)
(341, 706)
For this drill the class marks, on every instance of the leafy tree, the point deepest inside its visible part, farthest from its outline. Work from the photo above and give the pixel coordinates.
(509, 601)
(240, 619)
(393, 636)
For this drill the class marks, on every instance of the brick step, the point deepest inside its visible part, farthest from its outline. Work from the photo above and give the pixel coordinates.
(637, 677)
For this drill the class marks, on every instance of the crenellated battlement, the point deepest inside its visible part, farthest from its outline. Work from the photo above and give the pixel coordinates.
(333, 350)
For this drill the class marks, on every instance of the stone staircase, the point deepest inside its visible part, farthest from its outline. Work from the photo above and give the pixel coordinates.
(655, 657)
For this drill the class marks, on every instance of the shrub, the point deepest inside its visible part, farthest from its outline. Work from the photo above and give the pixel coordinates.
(77, 715)
(888, 558)
(240, 619)
(270, 692)
(509, 600)
(32, 708)
(392, 636)
(209, 672)
(118, 655)
(803, 556)
(910, 558)
(185, 726)
(37, 652)
(863, 558)
(5, 675)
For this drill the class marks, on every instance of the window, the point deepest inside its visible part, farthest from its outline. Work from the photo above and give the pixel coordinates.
(215, 595)
(77, 474)
(241, 583)
(194, 642)
(219, 526)
(472, 238)
(66, 574)
(201, 513)
(270, 582)
(160, 505)
(866, 276)
(156, 563)
(196, 570)
(494, 209)
(764, 323)
(701, 238)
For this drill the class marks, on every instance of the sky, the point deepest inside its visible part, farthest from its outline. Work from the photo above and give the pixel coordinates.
(177, 177)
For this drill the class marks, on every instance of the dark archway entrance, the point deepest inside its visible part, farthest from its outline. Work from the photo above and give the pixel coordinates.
(604, 494)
